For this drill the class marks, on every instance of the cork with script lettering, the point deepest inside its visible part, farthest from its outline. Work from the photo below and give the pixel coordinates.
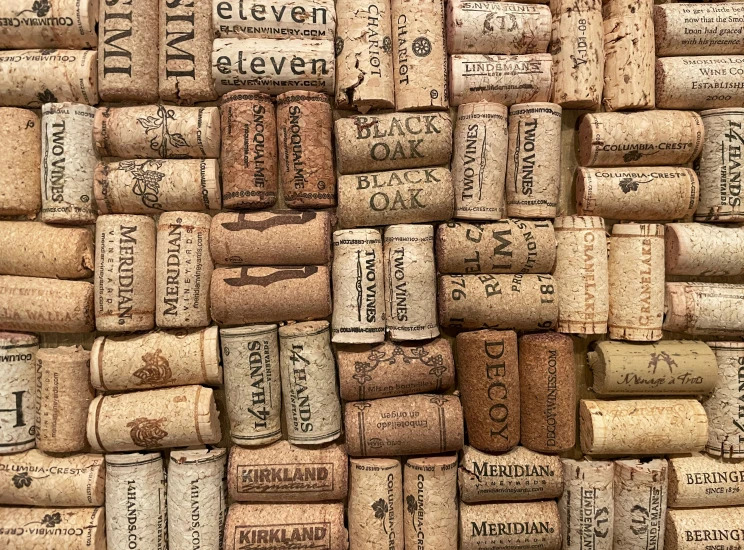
(640, 489)
(700, 481)
(587, 504)
(20, 181)
(510, 526)
(53, 24)
(699, 82)
(74, 529)
(376, 513)
(704, 30)
(710, 309)
(18, 392)
(725, 433)
(694, 529)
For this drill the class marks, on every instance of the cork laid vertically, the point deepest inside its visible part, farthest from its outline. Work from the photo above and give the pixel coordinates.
(504, 525)
(430, 494)
(700, 481)
(640, 488)
(18, 392)
(709, 309)
(20, 181)
(74, 529)
(686, 529)
(55, 24)
(375, 510)
(708, 30)
(310, 18)
(587, 505)
(700, 82)
(725, 431)
(700, 249)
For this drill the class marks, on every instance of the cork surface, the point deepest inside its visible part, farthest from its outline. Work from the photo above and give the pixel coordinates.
(514, 526)
(677, 30)
(315, 18)
(74, 529)
(675, 78)
(587, 505)
(683, 525)
(700, 249)
(51, 28)
(708, 309)
(640, 489)
(18, 356)
(20, 187)
(700, 481)
(722, 406)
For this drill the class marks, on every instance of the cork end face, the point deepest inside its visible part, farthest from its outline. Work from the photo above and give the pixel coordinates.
(673, 246)
(586, 141)
(583, 208)
(586, 427)
(309, 328)
(91, 427)
(101, 188)
(675, 307)
(211, 355)
(671, 534)
(90, 86)
(208, 417)
(96, 373)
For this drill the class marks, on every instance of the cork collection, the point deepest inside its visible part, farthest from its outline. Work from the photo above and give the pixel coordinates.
(371, 275)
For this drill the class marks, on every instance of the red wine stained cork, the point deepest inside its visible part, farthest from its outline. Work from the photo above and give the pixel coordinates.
(640, 489)
(245, 295)
(309, 18)
(710, 30)
(701, 481)
(642, 426)
(253, 387)
(18, 392)
(20, 182)
(46, 305)
(35, 249)
(517, 302)
(74, 529)
(508, 525)
(505, 79)
(364, 60)
(695, 529)
(587, 505)
(409, 425)
(548, 392)
(392, 141)
(725, 433)
(63, 393)
(430, 494)
(68, 163)
(304, 129)
(394, 368)
(488, 376)
(157, 131)
(533, 169)
(281, 237)
(699, 249)
(701, 82)
(506, 246)
(55, 24)
(153, 419)
(704, 309)
(283, 472)
(311, 405)
(650, 138)
(518, 474)
(358, 287)
(376, 513)
(479, 160)
(419, 55)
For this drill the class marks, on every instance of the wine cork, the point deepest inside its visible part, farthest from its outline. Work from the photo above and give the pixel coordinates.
(311, 405)
(577, 47)
(533, 171)
(392, 141)
(153, 186)
(288, 18)
(125, 277)
(52, 528)
(505, 79)
(32, 478)
(272, 66)
(63, 393)
(587, 507)
(516, 526)
(725, 432)
(364, 60)
(409, 425)
(430, 492)
(394, 368)
(410, 282)
(480, 159)
(135, 501)
(701, 82)
(517, 302)
(640, 504)
(55, 24)
(34, 249)
(69, 162)
(642, 426)
(506, 246)
(699, 249)
(287, 473)
(701, 481)
(704, 309)
(694, 529)
(651, 138)
(240, 296)
(636, 281)
(253, 387)
(33, 77)
(248, 150)
(18, 392)
(304, 127)
(547, 391)
(20, 182)
(488, 376)
(196, 498)
(157, 131)
(358, 287)
(518, 474)
(419, 55)
(46, 305)
(153, 419)
(376, 504)
(708, 30)
(271, 238)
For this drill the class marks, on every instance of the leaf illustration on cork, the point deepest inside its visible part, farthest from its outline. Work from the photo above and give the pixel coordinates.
(46, 96)
(156, 369)
(412, 506)
(39, 7)
(49, 520)
(147, 432)
(665, 358)
(22, 480)
(381, 510)
(632, 156)
(629, 184)
(163, 138)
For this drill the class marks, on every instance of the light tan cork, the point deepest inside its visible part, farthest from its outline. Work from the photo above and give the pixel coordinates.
(488, 379)
(394, 368)
(135, 501)
(153, 419)
(34, 249)
(519, 474)
(640, 489)
(651, 138)
(700, 481)
(358, 287)
(700, 82)
(376, 513)
(18, 392)
(479, 161)
(308, 18)
(642, 426)
(68, 163)
(364, 60)
(63, 393)
(409, 425)
(311, 405)
(513, 526)
(704, 309)
(704, 30)
(533, 169)
(33, 478)
(283, 472)
(587, 505)
(53, 528)
(20, 182)
(253, 387)
(196, 498)
(695, 529)
(699, 249)
(157, 131)
(725, 432)
(55, 24)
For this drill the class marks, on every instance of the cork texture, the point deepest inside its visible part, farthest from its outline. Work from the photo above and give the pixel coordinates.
(375, 510)
(430, 494)
(63, 24)
(686, 529)
(74, 529)
(700, 481)
(18, 393)
(708, 309)
(587, 505)
(20, 182)
(515, 526)
(725, 434)
(709, 30)
(699, 249)
(700, 82)
(640, 489)
(316, 18)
